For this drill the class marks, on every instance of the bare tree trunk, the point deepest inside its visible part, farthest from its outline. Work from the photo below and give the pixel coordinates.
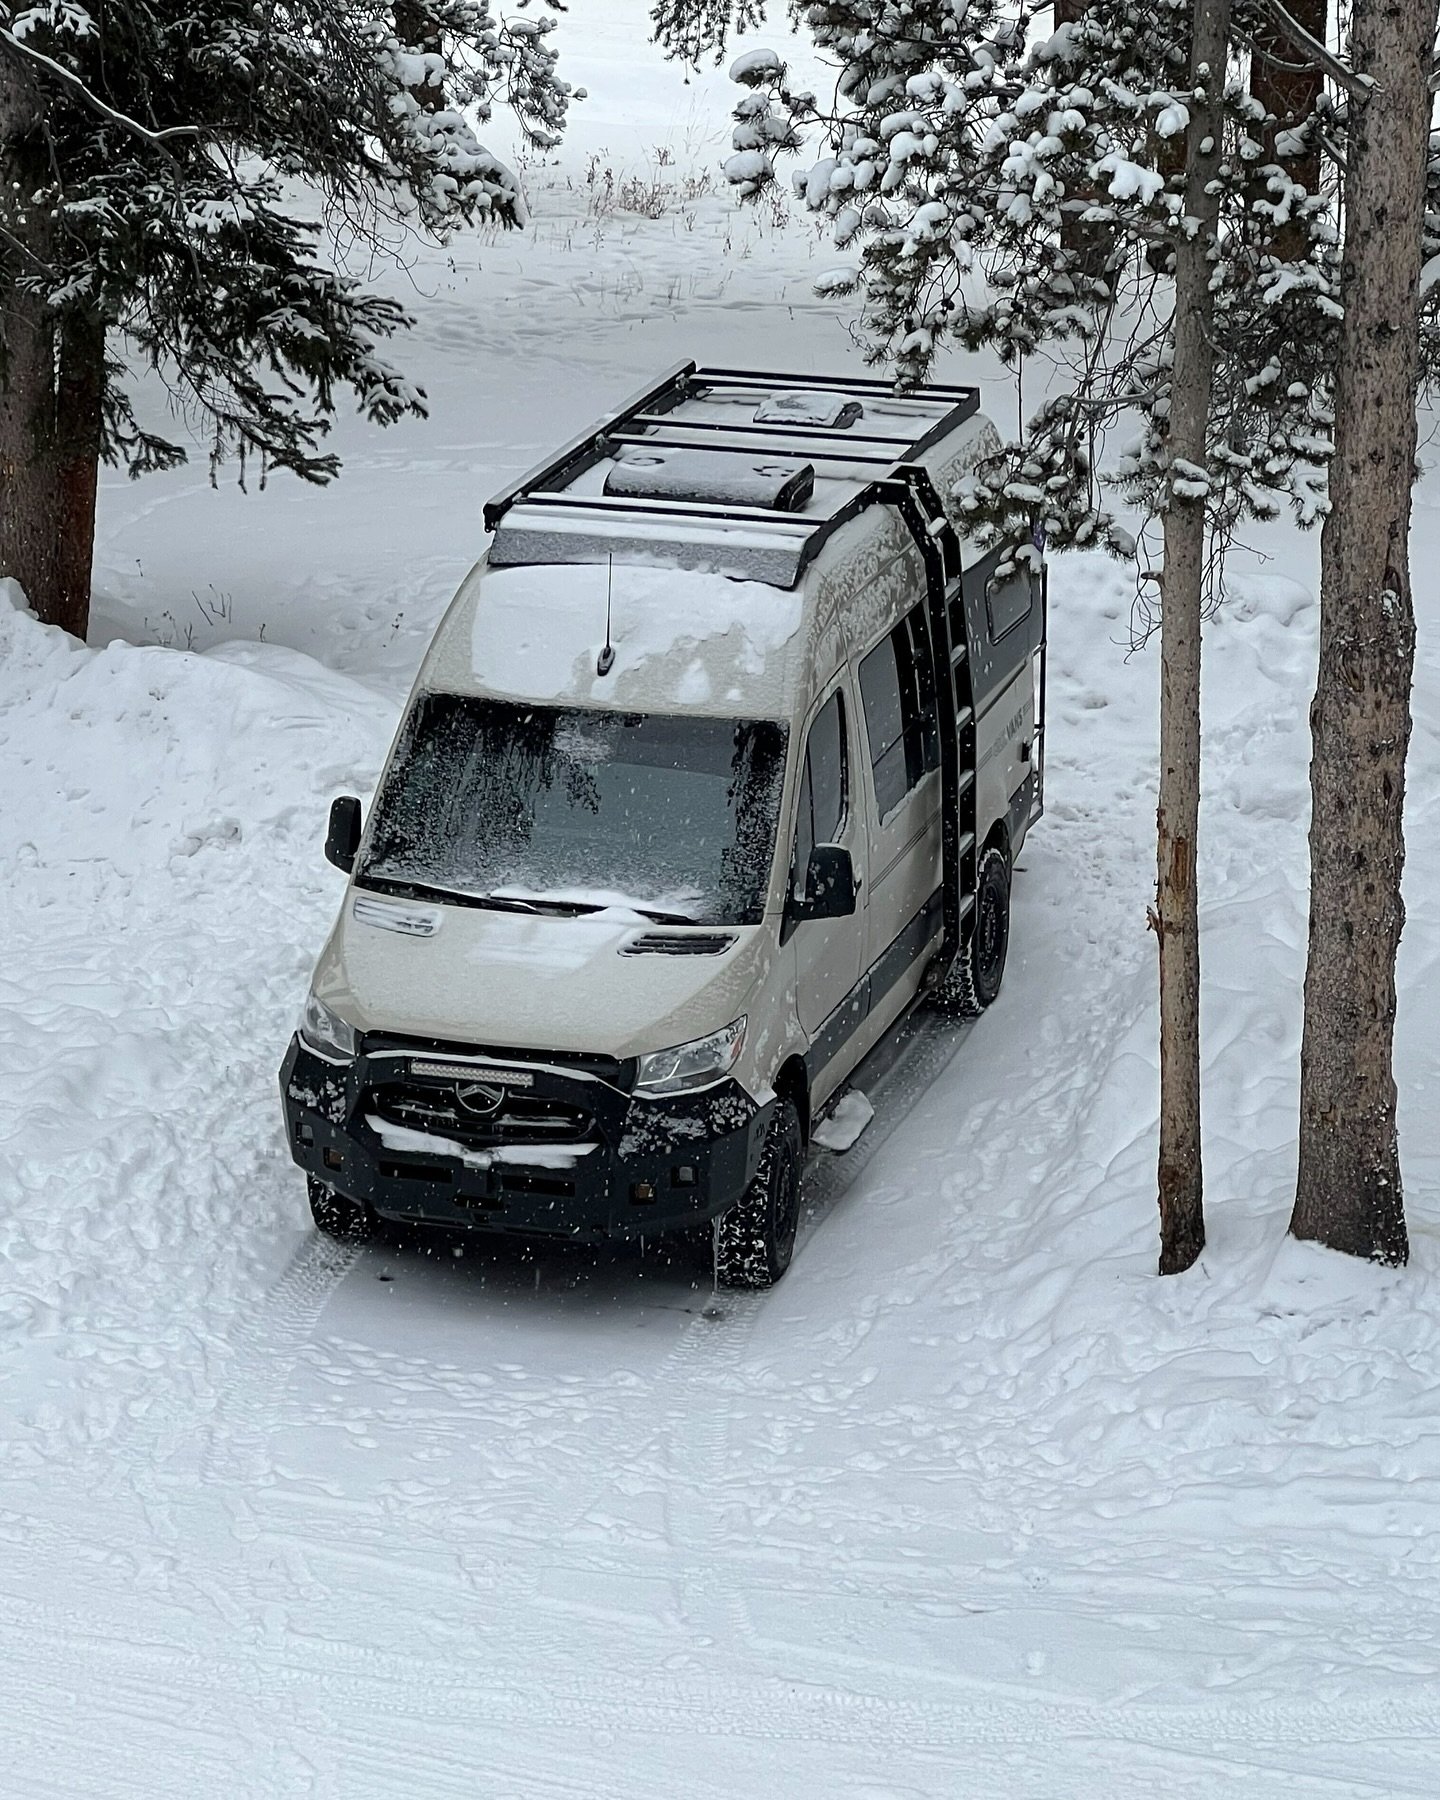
(80, 398)
(1176, 915)
(27, 344)
(1349, 1192)
(1287, 82)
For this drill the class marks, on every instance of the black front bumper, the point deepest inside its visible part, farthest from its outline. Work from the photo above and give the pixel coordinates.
(627, 1168)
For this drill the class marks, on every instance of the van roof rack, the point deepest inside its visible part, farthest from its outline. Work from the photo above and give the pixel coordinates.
(559, 512)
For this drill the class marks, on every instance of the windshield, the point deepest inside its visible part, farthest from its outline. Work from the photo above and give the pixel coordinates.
(552, 809)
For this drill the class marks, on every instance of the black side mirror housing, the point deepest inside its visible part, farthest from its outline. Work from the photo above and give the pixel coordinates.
(342, 839)
(829, 885)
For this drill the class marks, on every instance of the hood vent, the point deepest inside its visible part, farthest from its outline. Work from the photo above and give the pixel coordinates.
(711, 477)
(674, 943)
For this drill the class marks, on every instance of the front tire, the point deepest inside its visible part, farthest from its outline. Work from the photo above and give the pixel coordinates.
(337, 1215)
(974, 982)
(755, 1240)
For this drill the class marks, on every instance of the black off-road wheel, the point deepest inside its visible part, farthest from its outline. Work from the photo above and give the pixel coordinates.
(974, 982)
(755, 1240)
(337, 1215)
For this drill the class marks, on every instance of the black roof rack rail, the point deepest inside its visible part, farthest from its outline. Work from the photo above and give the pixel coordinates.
(648, 417)
(860, 384)
(839, 433)
(589, 446)
(675, 509)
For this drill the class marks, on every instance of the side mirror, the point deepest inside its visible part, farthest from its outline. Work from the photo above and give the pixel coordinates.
(342, 840)
(829, 885)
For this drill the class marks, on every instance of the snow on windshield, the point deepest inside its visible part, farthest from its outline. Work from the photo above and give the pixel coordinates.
(666, 814)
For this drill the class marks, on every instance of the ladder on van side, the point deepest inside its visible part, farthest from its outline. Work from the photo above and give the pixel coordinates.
(913, 494)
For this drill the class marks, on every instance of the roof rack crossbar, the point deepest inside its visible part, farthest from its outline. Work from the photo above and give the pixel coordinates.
(794, 524)
(588, 446)
(839, 434)
(833, 454)
(860, 384)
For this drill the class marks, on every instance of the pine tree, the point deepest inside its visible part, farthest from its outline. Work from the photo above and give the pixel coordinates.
(1033, 199)
(182, 183)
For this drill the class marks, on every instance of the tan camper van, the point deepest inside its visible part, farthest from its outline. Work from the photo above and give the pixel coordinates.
(718, 764)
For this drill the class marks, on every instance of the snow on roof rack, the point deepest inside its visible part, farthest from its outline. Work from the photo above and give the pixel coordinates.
(563, 511)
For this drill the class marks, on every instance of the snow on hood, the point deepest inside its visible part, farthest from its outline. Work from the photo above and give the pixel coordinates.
(535, 983)
(681, 638)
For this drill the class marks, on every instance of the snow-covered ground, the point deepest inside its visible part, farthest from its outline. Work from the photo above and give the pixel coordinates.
(972, 1505)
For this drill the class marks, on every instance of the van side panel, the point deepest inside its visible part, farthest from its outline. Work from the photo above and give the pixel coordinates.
(868, 579)
(1005, 624)
(1004, 744)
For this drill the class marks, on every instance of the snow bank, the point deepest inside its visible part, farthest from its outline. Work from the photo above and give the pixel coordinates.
(161, 898)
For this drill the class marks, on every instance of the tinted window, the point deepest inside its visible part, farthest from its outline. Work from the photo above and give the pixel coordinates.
(897, 686)
(884, 724)
(1008, 602)
(581, 809)
(825, 761)
(820, 809)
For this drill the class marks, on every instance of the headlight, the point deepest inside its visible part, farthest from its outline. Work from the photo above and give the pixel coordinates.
(690, 1066)
(324, 1030)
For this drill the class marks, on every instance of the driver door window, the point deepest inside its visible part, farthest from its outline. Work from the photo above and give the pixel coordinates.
(828, 952)
(824, 787)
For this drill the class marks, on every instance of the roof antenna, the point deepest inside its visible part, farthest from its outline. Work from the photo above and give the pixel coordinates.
(605, 662)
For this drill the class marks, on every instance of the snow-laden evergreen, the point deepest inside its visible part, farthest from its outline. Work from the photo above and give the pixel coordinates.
(168, 208)
(1026, 196)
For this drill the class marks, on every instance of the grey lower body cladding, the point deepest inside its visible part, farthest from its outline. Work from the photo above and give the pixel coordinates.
(569, 1156)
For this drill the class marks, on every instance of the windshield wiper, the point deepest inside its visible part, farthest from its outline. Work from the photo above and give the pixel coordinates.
(540, 905)
(429, 890)
(565, 909)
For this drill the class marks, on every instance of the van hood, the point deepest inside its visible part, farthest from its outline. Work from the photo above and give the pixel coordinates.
(608, 983)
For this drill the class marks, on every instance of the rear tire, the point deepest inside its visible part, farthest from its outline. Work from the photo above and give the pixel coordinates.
(337, 1215)
(755, 1240)
(974, 982)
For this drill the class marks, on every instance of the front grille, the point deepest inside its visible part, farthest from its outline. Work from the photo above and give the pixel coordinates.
(521, 1118)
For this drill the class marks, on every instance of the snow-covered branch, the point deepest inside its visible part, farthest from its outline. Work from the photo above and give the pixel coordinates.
(1339, 71)
(73, 84)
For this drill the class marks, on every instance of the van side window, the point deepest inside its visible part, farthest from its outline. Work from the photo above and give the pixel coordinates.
(824, 785)
(922, 726)
(897, 686)
(1007, 602)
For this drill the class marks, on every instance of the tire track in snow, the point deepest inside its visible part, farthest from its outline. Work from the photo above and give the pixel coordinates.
(373, 1697)
(687, 1452)
(710, 1355)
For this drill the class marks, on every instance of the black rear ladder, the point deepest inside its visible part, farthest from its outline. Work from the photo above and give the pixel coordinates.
(913, 493)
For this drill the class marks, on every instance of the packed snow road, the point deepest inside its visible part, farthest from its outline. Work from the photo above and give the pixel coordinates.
(971, 1504)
